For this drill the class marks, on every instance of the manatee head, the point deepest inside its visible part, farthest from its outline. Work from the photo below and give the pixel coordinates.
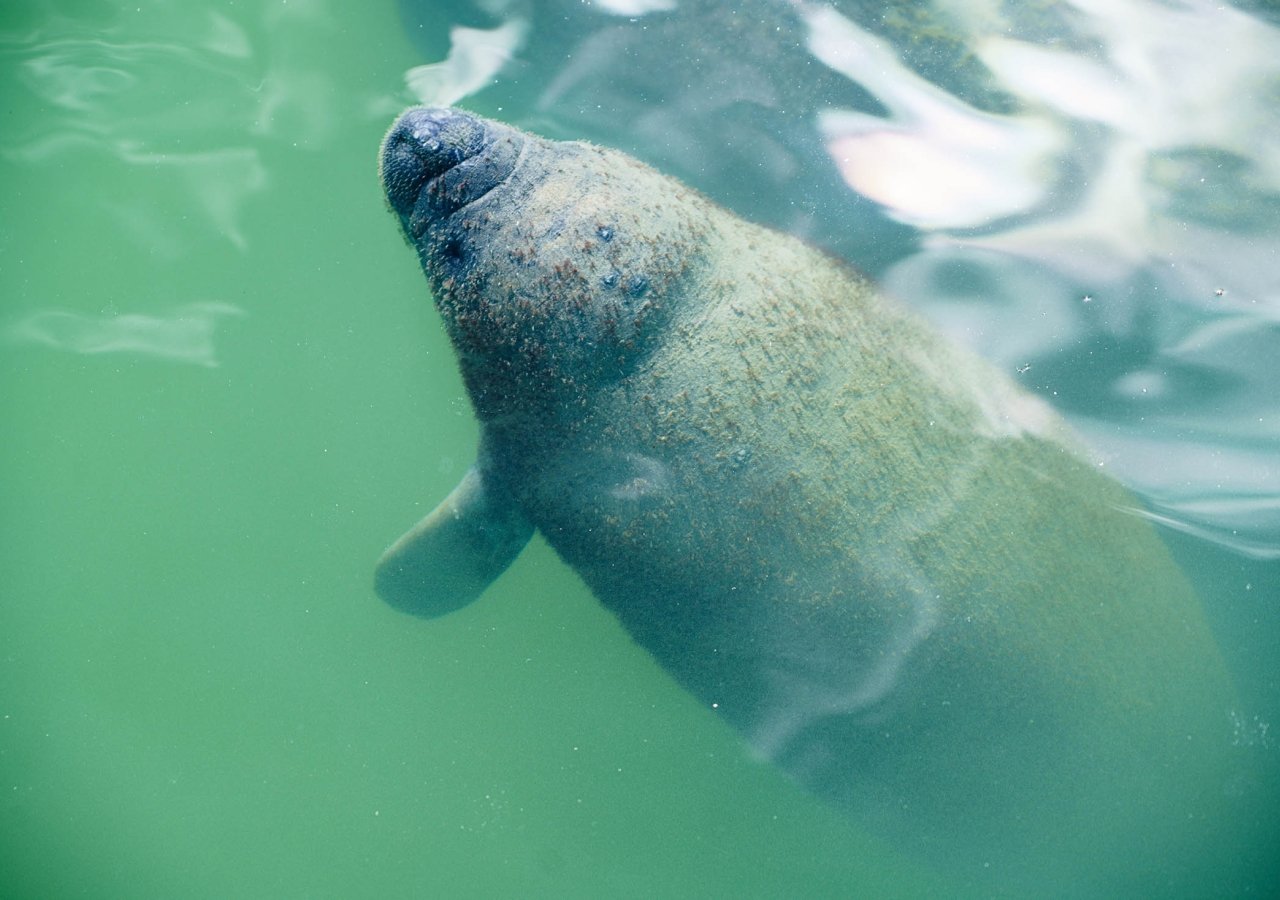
(557, 266)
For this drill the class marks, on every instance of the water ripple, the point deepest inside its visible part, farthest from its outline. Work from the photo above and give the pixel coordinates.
(184, 335)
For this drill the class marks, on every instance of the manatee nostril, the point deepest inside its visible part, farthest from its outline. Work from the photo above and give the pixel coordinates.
(403, 173)
(423, 143)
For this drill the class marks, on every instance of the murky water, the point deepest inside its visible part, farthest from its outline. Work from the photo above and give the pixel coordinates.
(225, 391)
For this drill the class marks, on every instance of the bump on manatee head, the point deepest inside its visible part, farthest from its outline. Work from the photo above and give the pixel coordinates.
(552, 272)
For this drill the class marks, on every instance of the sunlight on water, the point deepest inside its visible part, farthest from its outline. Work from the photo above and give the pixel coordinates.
(935, 162)
(475, 56)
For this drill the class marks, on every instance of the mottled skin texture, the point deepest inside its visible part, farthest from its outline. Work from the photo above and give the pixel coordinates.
(875, 556)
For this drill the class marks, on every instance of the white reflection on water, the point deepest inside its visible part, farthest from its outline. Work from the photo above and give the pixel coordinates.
(935, 162)
(1169, 83)
(184, 335)
(95, 90)
(475, 56)
(177, 119)
(1133, 215)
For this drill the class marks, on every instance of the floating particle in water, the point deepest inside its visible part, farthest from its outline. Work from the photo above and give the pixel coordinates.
(1249, 731)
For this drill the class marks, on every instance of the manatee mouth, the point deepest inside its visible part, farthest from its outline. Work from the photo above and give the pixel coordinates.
(436, 160)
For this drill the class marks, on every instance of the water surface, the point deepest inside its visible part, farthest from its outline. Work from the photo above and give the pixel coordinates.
(224, 392)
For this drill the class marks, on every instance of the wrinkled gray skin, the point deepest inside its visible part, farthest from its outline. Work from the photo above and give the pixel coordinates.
(868, 551)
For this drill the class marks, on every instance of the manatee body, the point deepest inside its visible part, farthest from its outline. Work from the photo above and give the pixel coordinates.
(882, 562)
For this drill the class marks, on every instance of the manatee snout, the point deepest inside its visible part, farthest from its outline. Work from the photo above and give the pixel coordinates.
(435, 161)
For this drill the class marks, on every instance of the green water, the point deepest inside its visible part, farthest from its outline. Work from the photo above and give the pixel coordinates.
(200, 695)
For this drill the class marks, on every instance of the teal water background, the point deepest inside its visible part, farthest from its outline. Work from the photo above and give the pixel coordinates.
(223, 393)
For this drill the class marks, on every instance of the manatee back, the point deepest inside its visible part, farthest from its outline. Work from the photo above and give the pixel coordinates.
(896, 574)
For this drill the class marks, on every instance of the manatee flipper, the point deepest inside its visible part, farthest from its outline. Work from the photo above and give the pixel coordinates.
(450, 557)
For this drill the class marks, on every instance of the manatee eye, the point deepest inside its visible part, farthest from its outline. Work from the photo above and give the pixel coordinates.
(612, 279)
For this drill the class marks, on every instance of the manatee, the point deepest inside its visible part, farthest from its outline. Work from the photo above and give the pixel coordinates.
(889, 568)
